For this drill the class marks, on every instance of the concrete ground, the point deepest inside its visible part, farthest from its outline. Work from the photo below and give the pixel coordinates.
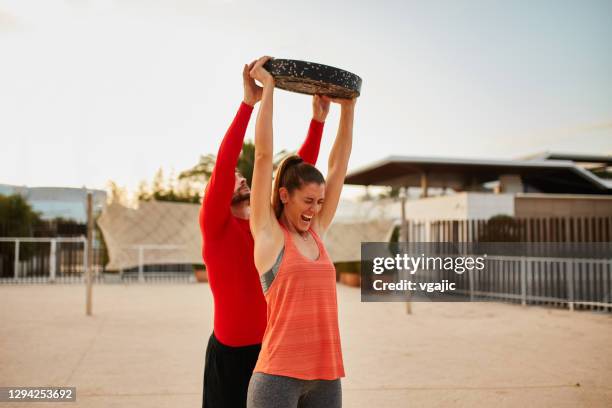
(144, 347)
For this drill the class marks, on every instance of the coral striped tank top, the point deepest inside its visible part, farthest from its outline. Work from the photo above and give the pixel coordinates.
(302, 339)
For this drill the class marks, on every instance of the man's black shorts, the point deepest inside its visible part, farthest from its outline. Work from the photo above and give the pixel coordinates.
(227, 372)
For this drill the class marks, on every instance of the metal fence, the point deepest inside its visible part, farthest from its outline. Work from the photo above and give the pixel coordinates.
(43, 259)
(45, 250)
(173, 276)
(509, 229)
(64, 260)
(581, 284)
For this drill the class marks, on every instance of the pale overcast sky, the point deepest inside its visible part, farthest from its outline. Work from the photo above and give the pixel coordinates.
(92, 90)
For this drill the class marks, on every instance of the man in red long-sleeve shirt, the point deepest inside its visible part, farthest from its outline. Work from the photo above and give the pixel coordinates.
(240, 307)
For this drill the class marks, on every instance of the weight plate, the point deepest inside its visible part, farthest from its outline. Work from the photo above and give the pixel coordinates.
(312, 78)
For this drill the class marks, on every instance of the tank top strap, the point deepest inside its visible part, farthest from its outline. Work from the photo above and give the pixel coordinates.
(288, 246)
(316, 237)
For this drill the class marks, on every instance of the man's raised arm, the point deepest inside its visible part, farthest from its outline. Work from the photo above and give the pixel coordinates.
(309, 151)
(216, 206)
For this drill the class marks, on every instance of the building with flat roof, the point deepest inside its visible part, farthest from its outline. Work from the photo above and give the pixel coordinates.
(58, 202)
(542, 185)
(550, 173)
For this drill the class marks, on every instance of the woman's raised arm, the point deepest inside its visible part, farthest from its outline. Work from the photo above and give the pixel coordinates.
(264, 226)
(261, 188)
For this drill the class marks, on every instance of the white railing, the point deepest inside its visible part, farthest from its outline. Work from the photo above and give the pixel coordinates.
(52, 252)
(53, 275)
(141, 248)
(582, 283)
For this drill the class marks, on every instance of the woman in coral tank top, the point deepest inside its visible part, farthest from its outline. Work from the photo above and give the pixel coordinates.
(300, 363)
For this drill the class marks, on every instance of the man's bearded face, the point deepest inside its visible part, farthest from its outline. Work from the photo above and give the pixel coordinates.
(242, 192)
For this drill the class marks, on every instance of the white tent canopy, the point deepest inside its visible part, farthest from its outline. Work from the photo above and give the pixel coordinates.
(343, 240)
(169, 233)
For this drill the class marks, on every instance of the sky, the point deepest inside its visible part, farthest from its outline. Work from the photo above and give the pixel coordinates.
(98, 90)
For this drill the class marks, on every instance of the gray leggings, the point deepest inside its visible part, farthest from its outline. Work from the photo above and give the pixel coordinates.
(275, 391)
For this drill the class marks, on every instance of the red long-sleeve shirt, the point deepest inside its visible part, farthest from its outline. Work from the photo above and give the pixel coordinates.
(240, 306)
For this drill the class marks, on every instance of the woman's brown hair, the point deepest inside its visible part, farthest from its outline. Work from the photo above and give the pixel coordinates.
(292, 173)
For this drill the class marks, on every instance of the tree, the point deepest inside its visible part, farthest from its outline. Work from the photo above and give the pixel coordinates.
(501, 228)
(17, 218)
(202, 171)
(246, 161)
(157, 187)
(143, 193)
(190, 183)
(116, 193)
(392, 192)
(163, 189)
